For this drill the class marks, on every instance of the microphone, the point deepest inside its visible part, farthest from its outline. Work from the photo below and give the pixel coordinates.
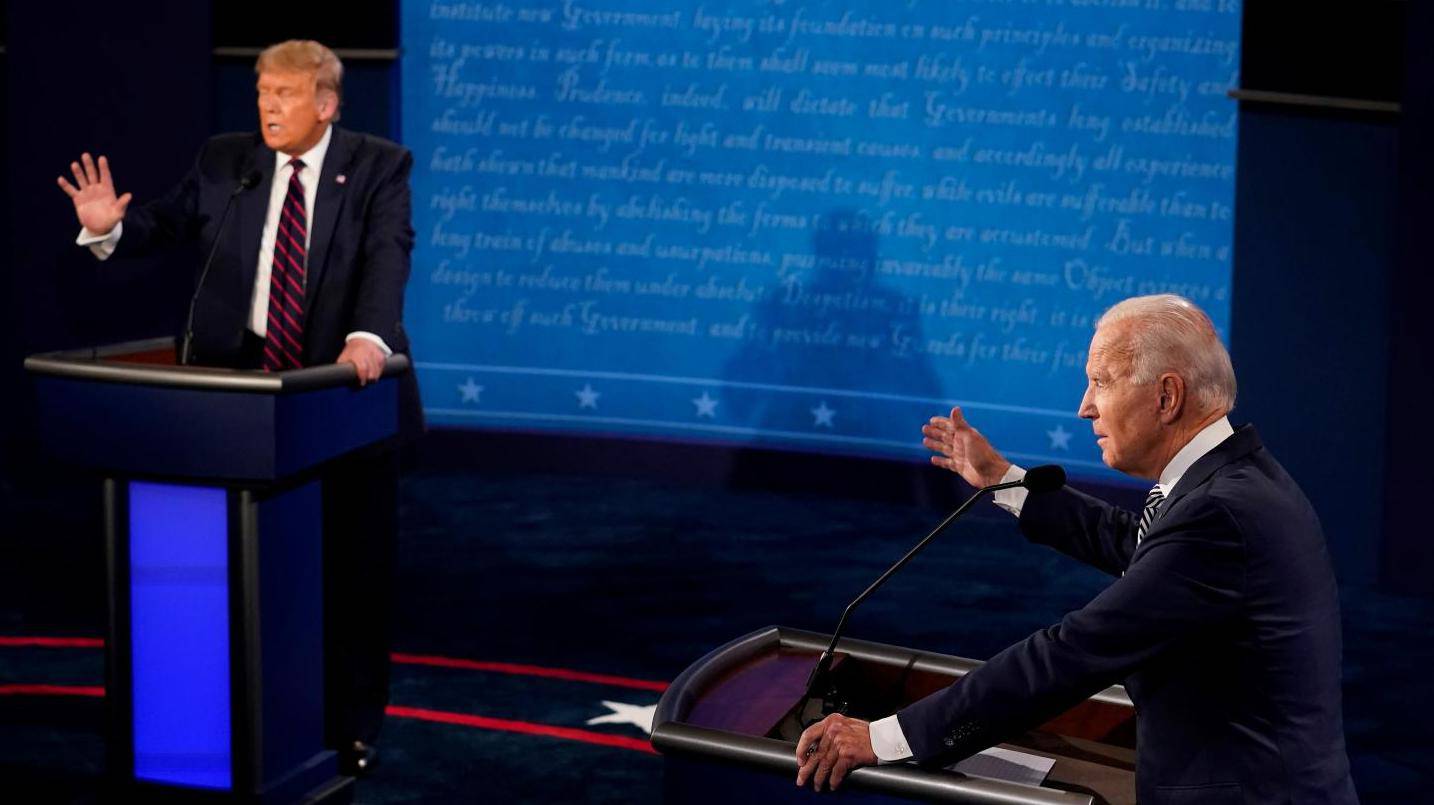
(248, 181)
(1046, 478)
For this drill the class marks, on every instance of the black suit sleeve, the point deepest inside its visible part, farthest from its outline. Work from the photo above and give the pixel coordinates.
(170, 219)
(387, 244)
(1190, 578)
(1081, 527)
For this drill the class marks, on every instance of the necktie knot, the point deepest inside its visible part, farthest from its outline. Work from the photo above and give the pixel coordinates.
(297, 164)
(1155, 497)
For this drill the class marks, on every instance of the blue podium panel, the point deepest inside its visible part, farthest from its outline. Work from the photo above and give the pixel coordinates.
(157, 430)
(204, 433)
(314, 427)
(179, 634)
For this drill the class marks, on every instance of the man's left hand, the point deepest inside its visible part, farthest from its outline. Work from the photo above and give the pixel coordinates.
(829, 749)
(366, 357)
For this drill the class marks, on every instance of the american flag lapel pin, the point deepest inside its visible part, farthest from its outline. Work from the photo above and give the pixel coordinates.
(341, 178)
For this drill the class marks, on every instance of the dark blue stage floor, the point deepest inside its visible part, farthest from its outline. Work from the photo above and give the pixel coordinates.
(539, 616)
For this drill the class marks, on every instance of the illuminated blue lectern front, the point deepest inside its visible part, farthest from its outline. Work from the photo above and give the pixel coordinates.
(214, 656)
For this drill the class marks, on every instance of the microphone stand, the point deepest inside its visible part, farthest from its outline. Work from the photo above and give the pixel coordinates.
(249, 180)
(818, 679)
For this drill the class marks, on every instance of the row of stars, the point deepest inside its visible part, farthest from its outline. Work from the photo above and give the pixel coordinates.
(823, 416)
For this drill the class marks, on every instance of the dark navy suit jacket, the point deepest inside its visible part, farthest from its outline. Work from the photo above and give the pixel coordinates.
(359, 244)
(1225, 629)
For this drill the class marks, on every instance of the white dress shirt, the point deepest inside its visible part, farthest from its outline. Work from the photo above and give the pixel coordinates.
(888, 742)
(102, 246)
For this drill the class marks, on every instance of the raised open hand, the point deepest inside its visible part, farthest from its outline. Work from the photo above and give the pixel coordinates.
(96, 206)
(963, 450)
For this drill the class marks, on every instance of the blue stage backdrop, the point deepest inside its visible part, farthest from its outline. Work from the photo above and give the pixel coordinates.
(802, 224)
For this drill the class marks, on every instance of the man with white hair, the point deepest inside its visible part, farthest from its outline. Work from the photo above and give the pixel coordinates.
(1223, 619)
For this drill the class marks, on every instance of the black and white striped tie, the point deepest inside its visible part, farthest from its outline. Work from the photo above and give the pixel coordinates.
(1147, 515)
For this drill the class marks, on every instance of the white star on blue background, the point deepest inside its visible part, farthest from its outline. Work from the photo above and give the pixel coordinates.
(470, 391)
(822, 416)
(706, 405)
(1060, 438)
(587, 398)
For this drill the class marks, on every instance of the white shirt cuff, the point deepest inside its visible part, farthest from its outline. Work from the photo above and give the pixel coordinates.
(101, 246)
(1011, 499)
(369, 337)
(888, 741)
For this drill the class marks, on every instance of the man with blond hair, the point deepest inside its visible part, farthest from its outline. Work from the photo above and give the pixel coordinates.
(1223, 618)
(310, 269)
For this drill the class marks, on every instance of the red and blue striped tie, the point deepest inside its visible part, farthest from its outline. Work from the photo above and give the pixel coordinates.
(284, 334)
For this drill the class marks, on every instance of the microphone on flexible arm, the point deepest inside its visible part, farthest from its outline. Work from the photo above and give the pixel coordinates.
(1046, 478)
(248, 181)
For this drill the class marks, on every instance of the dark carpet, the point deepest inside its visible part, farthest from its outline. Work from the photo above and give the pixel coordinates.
(632, 579)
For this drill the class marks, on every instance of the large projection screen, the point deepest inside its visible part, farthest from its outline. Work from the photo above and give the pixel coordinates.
(806, 225)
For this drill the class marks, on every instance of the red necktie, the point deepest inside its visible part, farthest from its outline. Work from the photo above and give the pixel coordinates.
(284, 335)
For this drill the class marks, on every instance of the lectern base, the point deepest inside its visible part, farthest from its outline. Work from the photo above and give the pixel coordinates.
(317, 781)
(214, 561)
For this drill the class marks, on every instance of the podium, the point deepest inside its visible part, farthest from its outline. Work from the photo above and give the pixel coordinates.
(728, 730)
(213, 540)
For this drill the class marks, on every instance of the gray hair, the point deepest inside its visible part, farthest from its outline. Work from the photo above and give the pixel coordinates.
(1171, 334)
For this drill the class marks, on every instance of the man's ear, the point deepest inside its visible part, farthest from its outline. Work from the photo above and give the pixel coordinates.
(1172, 396)
(328, 101)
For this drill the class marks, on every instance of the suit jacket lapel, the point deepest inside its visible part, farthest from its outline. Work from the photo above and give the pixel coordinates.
(252, 207)
(327, 203)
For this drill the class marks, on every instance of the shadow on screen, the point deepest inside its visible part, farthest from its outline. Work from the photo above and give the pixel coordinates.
(833, 354)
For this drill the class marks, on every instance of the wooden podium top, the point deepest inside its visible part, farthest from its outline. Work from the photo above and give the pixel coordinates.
(737, 702)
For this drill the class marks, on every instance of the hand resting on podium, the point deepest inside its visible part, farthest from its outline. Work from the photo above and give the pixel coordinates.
(829, 749)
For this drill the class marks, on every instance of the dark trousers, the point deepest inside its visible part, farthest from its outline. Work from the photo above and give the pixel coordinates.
(360, 499)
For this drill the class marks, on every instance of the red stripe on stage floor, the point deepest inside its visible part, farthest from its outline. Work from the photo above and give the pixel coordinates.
(517, 669)
(523, 727)
(52, 690)
(419, 713)
(529, 670)
(52, 642)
